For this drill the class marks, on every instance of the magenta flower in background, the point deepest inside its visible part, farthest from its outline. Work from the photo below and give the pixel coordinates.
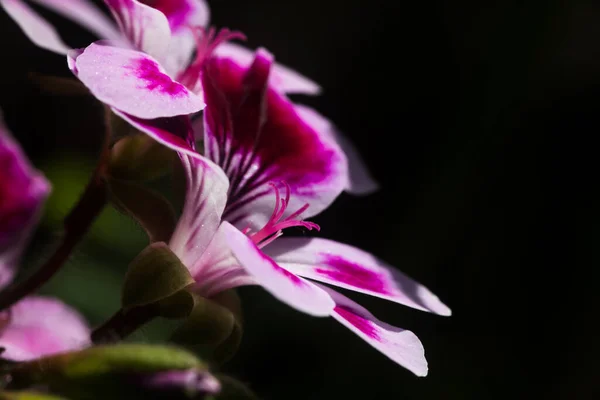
(36, 325)
(22, 193)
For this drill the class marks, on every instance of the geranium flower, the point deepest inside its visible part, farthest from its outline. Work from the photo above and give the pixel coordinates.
(36, 325)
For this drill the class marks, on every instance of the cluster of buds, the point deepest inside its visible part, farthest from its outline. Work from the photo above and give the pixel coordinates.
(255, 164)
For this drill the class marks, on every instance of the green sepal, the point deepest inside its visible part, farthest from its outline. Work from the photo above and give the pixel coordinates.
(151, 210)
(211, 330)
(155, 274)
(101, 361)
(137, 157)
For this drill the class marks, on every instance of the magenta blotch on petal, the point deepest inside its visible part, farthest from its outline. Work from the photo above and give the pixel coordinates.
(401, 346)
(281, 283)
(182, 14)
(283, 79)
(40, 326)
(133, 83)
(351, 268)
(22, 193)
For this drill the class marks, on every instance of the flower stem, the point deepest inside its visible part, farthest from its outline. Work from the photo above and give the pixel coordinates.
(122, 324)
(76, 225)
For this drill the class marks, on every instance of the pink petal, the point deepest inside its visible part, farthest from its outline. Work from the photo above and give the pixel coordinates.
(183, 14)
(22, 193)
(133, 83)
(173, 132)
(401, 346)
(287, 287)
(146, 28)
(38, 30)
(86, 14)
(351, 268)
(360, 181)
(217, 269)
(205, 199)
(255, 134)
(283, 78)
(40, 326)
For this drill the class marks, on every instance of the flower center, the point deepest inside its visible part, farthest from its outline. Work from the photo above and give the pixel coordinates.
(276, 224)
(207, 41)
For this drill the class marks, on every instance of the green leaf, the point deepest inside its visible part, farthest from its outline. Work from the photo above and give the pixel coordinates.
(28, 396)
(155, 274)
(101, 361)
(150, 209)
(137, 157)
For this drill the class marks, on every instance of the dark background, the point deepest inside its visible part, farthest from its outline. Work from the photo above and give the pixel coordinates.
(478, 119)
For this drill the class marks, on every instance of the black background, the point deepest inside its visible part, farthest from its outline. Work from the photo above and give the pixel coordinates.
(479, 120)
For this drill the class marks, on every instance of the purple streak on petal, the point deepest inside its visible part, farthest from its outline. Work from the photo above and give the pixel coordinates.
(149, 71)
(205, 198)
(351, 268)
(37, 29)
(257, 136)
(362, 324)
(401, 346)
(121, 79)
(22, 193)
(41, 326)
(353, 274)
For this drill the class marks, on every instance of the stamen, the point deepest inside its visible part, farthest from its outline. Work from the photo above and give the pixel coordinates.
(275, 225)
(207, 41)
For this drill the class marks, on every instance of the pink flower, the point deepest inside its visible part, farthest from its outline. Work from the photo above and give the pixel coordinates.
(256, 141)
(36, 325)
(220, 257)
(145, 71)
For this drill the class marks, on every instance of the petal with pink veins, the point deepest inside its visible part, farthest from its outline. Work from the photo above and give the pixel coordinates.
(183, 14)
(146, 28)
(284, 285)
(133, 83)
(206, 195)
(284, 79)
(255, 134)
(23, 191)
(401, 346)
(351, 268)
(360, 181)
(173, 132)
(217, 269)
(37, 29)
(39, 326)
